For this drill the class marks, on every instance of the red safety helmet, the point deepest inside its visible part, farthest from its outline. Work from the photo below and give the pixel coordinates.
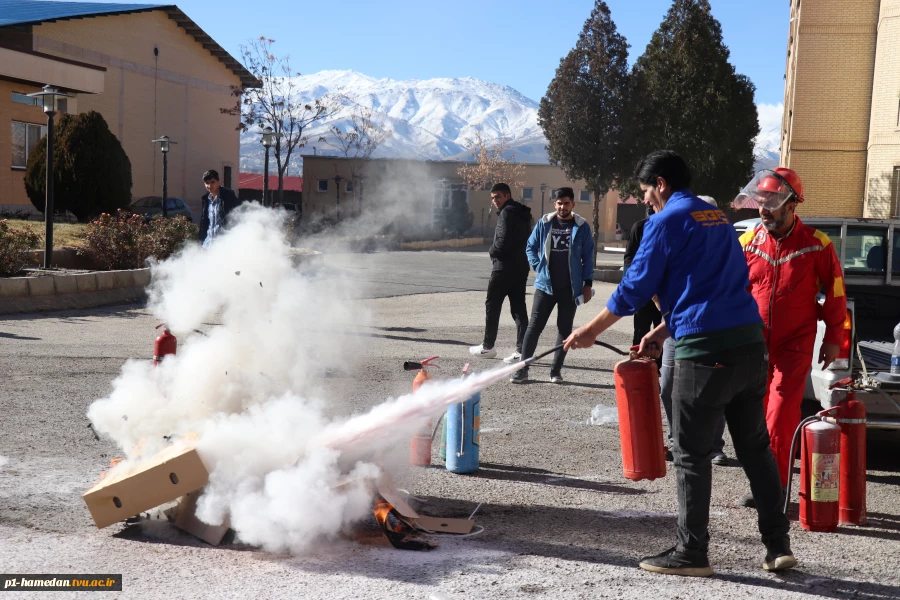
(771, 189)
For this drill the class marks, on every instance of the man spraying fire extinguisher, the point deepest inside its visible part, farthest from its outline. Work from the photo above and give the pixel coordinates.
(690, 259)
(790, 263)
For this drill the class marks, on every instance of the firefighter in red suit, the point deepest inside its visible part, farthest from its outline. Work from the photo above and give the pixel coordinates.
(790, 263)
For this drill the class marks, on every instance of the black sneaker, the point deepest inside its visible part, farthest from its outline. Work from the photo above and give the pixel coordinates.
(669, 456)
(673, 562)
(747, 501)
(719, 458)
(779, 555)
(520, 376)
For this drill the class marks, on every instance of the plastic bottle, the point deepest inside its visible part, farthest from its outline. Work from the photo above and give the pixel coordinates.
(895, 356)
(579, 300)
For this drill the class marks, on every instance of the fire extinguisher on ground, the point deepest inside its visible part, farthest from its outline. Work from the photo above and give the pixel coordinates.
(420, 445)
(463, 434)
(832, 466)
(640, 419)
(164, 345)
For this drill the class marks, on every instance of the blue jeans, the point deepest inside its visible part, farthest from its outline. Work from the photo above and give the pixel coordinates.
(666, 380)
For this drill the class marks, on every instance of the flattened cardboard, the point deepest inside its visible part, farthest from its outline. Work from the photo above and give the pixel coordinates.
(174, 472)
(385, 487)
(438, 525)
(185, 519)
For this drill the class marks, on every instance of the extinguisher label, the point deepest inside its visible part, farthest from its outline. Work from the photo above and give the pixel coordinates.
(476, 424)
(825, 477)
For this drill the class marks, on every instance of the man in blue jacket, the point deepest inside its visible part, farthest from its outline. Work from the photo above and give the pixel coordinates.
(691, 260)
(560, 250)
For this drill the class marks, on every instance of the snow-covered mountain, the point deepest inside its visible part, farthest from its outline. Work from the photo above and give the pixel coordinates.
(429, 119)
(432, 119)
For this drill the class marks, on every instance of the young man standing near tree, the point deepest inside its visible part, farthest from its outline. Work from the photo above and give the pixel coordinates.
(690, 259)
(560, 250)
(215, 207)
(509, 271)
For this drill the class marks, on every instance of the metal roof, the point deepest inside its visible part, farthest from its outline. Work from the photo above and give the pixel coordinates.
(34, 12)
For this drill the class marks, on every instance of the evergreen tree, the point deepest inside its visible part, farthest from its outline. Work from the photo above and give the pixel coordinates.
(91, 172)
(582, 112)
(688, 98)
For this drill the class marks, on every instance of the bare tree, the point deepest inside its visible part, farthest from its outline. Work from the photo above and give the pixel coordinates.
(276, 103)
(359, 140)
(490, 164)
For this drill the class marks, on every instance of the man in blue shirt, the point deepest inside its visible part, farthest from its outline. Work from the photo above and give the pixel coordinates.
(691, 260)
(215, 206)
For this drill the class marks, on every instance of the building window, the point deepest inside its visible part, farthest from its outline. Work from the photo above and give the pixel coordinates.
(226, 172)
(25, 99)
(553, 195)
(895, 193)
(349, 188)
(584, 196)
(25, 136)
(323, 185)
(527, 194)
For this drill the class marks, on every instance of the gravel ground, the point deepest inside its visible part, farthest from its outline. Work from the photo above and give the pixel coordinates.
(559, 519)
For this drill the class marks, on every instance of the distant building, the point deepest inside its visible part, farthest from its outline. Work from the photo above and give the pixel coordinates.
(841, 126)
(401, 190)
(251, 185)
(148, 69)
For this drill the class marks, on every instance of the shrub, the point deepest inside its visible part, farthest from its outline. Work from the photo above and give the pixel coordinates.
(117, 242)
(126, 240)
(91, 174)
(15, 245)
(169, 235)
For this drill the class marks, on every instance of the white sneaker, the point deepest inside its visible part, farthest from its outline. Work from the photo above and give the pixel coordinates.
(556, 379)
(513, 358)
(481, 352)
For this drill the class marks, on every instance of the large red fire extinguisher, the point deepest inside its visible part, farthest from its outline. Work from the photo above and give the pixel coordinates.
(165, 344)
(852, 421)
(420, 445)
(820, 471)
(640, 419)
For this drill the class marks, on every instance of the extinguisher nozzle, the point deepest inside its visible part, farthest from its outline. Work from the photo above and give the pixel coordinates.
(411, 365)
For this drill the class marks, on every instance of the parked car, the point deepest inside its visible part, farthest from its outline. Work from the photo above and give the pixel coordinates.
(151, 206)
(746, 225)
(619, 234)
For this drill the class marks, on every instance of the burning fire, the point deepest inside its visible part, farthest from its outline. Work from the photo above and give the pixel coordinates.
(395, 529)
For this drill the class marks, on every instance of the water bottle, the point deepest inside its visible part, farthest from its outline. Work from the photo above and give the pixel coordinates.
(895, 356)
(579, 300)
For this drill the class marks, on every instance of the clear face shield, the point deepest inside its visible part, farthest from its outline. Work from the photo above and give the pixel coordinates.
(768, 189)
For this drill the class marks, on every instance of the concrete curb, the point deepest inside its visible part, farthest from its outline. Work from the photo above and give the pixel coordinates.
(460, 243)
(79, 290)
(608, 275)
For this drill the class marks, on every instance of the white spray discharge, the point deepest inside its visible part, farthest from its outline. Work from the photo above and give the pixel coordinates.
(250, 389)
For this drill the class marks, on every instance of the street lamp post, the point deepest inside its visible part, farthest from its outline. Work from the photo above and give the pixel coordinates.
(268, 140)
(164, 142)
(49, 96)
(543, 189)
(337, 184)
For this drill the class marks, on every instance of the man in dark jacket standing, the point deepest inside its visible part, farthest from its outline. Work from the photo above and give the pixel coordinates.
(215, 206)
(509, 271)
(648, 316)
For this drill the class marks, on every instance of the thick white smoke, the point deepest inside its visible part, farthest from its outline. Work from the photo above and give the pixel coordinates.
(249, 389)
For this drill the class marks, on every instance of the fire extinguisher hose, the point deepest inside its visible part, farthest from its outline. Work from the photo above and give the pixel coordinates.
(787, 494)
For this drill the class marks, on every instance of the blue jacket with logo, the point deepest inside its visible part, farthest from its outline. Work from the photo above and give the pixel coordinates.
(691, 259)
(581, 254)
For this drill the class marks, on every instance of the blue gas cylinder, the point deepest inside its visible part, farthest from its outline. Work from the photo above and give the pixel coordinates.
(463, 435)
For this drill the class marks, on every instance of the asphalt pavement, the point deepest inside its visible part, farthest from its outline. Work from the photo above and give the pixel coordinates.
(559, 518)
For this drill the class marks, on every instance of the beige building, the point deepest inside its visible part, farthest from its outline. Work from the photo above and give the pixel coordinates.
(399, 190)
(841, 126)
(148, 69)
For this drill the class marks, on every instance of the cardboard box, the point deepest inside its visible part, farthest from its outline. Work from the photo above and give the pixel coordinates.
(126, 492)
(185, 518)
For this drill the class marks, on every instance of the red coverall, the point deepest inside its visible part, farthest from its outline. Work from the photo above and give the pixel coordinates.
(785, 277)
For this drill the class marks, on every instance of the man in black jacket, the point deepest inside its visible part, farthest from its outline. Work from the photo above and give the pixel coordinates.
(509, 271)
(216, 204)
(647, 317)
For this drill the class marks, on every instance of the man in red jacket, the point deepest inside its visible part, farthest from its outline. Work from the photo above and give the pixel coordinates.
(790, 263)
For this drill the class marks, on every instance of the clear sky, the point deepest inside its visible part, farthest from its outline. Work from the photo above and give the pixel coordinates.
(513, 42)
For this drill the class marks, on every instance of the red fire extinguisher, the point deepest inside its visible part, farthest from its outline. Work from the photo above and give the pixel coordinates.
(165, 344)
(420, 445)
(640, 419)
(852, 421)
(820, 471)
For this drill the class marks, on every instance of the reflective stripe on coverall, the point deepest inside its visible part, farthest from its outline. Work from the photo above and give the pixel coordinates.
(785, 277)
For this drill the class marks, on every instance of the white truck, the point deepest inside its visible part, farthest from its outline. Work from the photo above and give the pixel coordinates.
(869, 252)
